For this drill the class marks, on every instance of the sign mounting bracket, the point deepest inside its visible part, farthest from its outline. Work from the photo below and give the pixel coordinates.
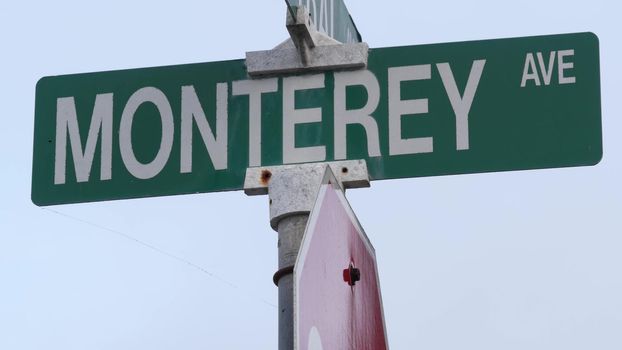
(306, 50)
(292, 188)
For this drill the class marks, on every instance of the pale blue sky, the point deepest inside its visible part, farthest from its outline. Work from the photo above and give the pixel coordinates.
(521, 260)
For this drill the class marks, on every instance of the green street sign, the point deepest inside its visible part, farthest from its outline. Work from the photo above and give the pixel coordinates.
(427, 110)
(332, 18)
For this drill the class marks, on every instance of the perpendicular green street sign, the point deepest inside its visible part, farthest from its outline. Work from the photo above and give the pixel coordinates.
(332, 18)
(426, 110)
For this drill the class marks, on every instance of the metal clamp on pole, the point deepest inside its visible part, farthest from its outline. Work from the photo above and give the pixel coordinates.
(292, 188)
(305, 50)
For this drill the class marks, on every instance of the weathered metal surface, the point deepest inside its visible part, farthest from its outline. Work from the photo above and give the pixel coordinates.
(350, 173)
(287, 60)
(292, 188)
(308, 50)
(291, 230)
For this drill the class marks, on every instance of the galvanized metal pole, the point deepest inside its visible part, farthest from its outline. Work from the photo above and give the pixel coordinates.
(292, 194)
(291, 230)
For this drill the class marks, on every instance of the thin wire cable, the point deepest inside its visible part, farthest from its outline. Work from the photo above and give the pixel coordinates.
(154, 248)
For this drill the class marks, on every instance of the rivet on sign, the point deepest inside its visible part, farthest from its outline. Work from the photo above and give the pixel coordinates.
(351, 275)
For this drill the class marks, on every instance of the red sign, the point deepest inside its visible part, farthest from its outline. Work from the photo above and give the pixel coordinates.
(337, 298)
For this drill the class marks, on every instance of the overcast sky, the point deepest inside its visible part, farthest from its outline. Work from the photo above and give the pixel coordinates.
(516, 260)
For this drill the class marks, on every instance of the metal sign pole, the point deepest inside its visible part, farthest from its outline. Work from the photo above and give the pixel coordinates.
(293, 189)
(291, 231)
